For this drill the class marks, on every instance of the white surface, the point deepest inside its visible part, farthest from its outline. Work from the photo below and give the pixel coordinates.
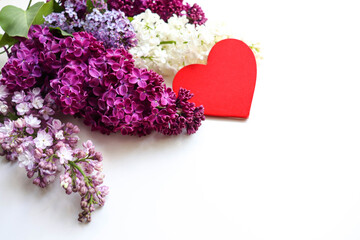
(291, 172)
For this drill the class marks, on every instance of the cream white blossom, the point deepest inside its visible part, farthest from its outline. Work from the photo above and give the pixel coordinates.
(3, 91)
(38, 102)
(64, 155)
(168, 47)
(32, 121)
(59, 135)
(22, 108)
(43, 140)
(26, 159)
(3, 108)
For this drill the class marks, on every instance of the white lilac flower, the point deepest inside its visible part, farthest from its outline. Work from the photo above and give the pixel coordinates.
(3, 92)
(36, 91)
(7, 128)
(64, 154)
(38, 102)
(22, 108)
(43, 140)
(65, 180)
(26, 159)
(168, 47)
(32, 121)
(59, 135)
(20, 123)
(18, 97)
(3, 107)
(47, 112)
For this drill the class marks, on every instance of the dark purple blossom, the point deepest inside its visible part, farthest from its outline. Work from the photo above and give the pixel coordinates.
(139, 77)
(31, 60)
(129, 7)
(164, 8)
(195, 14)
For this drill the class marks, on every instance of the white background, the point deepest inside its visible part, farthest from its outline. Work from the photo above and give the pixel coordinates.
(291, 171)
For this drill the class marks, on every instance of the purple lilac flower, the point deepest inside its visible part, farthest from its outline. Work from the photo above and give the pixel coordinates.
(71, 19)
(109, 26)
(129, 7)
(195, 14)
(30, 60)
(119, 97)
(44, 146)
(164, 8)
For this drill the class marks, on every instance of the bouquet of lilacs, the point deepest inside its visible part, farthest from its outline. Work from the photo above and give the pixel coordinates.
(102, 61)
(81, 56)
(46, 147)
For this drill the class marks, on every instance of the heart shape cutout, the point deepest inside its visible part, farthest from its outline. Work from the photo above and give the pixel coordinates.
(225, 86)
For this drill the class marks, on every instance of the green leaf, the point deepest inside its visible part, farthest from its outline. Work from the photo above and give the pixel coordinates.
(16, 22)
(62, 32)
(89, 6)
(45, 10)
(58, 8)
(130, 19)
(6, 40)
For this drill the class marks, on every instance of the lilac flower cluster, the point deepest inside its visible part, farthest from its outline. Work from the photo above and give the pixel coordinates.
(195, 14)
(111, 27)
(69, 20)
(44, 145)
(129, 7)
(164, 8)
(103, 87)
(32, 61)
(100, 85)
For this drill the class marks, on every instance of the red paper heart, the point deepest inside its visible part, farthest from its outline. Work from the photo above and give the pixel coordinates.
(225, 86)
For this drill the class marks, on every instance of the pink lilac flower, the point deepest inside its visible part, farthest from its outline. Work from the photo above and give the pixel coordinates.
(44, 146)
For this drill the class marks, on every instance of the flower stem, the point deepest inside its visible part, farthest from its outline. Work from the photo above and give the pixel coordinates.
(167, 42)
(7, 51)
(73, 165)
(29, 5)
